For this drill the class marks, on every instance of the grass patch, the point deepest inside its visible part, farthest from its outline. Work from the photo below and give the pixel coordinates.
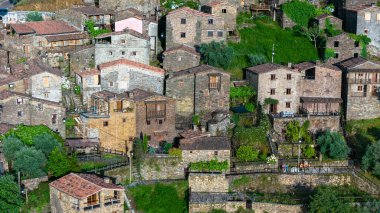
(85, 166)
(37, 199)
(160, 197)
(259, 37)
(244, 180)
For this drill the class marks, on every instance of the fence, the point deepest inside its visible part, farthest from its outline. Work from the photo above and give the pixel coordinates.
(108, 167)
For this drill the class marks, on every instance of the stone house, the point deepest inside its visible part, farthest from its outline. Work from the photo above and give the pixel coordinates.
(78, 15)
(126, 44)
(85, 193)
(320, 88)
(33, 78)
(364, 19)
(180, 58)
(273, 81)
(205, 148)
(223, 9)
(192, 27)
(82, 59)
(119, 76)
(18, 108)
(135, 20)
(283, 20)
(200, 90)
(117, 119)
(321, 20)
(51, 40)
(147, 7)
(344, 47)
(15, 17)
(340, 5)
(361, 83)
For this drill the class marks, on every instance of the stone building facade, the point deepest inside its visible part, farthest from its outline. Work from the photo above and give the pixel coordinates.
(321, 21)
(361, 83)
(192, 27)
(82, 59)
(224, 9)
(180, 58)
(17, 108)
(205, 148)
(364, 19)
(344, 47)
(275, 82)
(127, 44)
(149, 7)
(85, 193)
(89, 82)
(201, 91)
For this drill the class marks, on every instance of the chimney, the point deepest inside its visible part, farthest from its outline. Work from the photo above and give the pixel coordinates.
(290, 65)
(107, 180)
(130, 94)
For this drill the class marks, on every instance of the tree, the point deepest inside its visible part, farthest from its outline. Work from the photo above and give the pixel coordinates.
(299, 11)
(257, 59)
(30, 162)
(371, 159)
(326, 201)
(333, 145)
(246, 153)
(295, 131)
(10, 197)
(90, 26)
(244, 93)
(27, 133)
(217, 54)
(11, 146)
(34, 16)
(46, 143)
(145, 143)
(60, 164)
(313, 34)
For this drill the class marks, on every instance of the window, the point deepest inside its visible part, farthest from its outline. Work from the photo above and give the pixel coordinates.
(215, 152)
(110, 52)
(160, 121)
(183, 21)
(105, 123)
(92, 200)
(310, 74)
(273, 77)
(147, 122)
(288, 91)
(123, 41)
(183, 35)
(361, 74)
(53, 118)
(356, 44)
(356, 55)
(214, 82)
(111, 84)
(134, 53)
(336, 43)
(180, 84)
(336, 55)
(224, 10)
(19, 101)
(155, 110)
(11, 86)
(130, 138)
(149, 138)
(211, 21)
(124, 120)
(360, 88)
(220, 33)
(210, 33)
(122, 52)
(40, 107)
(19, 114)
(46, 95)
(272, 91)
(289, 76)
(287, 104)
(367, 16)
(378, 17)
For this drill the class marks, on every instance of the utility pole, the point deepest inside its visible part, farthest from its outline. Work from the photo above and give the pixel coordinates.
(299, 147)
(273, 54)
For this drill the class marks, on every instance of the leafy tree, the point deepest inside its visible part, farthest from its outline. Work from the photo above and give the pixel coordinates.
(309, 151)
(11, 146)
(30, 162)
(371, 159)
(363, 41)
(330, 29)
(244, 93)
(257, 59)
(60, 164)
(145, 143)
(329, 53)
(27, 133)
(246, 153)
(313, 34)
(90, 26)
(217, 54)
(10, 197)
(34, 16)
(333, 145)
(299, 11)
(269, 101)
(295, 131)
(326, 201)
(46, 143)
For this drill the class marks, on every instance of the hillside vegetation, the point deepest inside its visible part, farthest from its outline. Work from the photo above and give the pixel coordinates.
(46, 5)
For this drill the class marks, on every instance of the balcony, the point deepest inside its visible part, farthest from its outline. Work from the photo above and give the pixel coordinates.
(94, 115)
(112, 201)
(155, 114)
(91, 207)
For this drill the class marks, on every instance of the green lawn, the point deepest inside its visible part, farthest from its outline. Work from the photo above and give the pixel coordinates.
(160, 197)
(259, 37)
(37, 199)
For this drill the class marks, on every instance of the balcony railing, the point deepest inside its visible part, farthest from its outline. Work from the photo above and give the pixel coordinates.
(156, 114)
(318, 113)
(91, 207)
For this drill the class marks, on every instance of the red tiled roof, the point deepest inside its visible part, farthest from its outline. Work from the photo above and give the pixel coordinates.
(82, 185)
(131, 63)
(189, 11)
(125, 31)
(44, 27)
(182, 48)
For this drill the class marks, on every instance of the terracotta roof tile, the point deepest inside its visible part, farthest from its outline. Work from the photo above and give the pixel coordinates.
(131, 63)
(181, 48)
(125, 31)
(263, 68)
(92, 10)
(82, 185)
(44, 27)
(189, 11)
(22, 29)
(65, 37)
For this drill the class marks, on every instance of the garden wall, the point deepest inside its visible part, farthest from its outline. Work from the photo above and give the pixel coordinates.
(32, 184)
(162, 168)
(276, 208)
(250, 166)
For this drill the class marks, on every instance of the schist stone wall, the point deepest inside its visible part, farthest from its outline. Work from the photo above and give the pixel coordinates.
(346, 48)
(208, 182)
(82, 60)
(317, 123)
(145, 6)
(180, 60)
(164, 167)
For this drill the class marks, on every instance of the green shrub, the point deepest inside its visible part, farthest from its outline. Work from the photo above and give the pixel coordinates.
(210, 166)
(34, 16)
(175, 152)
(329, 53)
(250, 107)
(371, 159)
(217, 54)
(27, 133)
(77, 89)
(295, 132)
(10, 196)
(257, 59)
(333, 145)
(90, 26)
(246, 153)
(309, 151)
(59, 163)
(30, 162)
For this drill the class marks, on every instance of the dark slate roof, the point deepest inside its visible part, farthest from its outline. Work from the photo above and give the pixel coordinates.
(206, 143)
(359, 7)
(263, 68)
(181, 48)
(307, 65)
(134, 95)
(6, 94)
(351, 62)
(65, 37)
(195, 70)
(92, 11)
(82, 143)
(128, 13)
(125, 31)
(320, 100)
